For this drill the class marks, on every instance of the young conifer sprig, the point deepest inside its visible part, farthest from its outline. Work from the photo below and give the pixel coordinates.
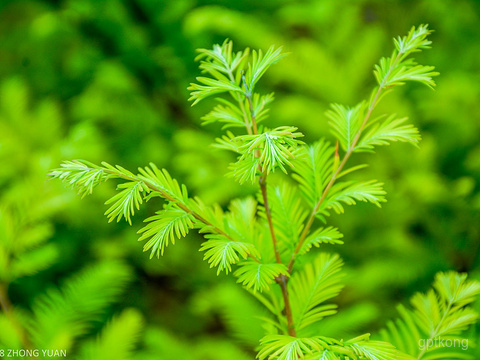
(265, 235)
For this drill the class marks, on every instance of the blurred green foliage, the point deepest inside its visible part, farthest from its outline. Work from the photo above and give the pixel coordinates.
(106, 80)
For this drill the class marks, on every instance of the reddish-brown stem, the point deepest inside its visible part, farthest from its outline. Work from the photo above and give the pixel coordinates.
(263, 188)
(281, 280)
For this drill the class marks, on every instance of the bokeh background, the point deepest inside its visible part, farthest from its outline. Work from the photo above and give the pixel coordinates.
(105, 80)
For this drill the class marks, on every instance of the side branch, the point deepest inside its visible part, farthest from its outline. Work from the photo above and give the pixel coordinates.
(176, 201)
(335, 174)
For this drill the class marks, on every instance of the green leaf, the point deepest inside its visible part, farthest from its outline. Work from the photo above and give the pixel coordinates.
(346, 123)
(389, 74)
(81, 175)
(259, 102)
(260, 64)
(163, 182)
(316, 283)
(284, 347)
(391, 129)
(125, 202)
(313, 168)
(241, 221)
(221, 58)
(373, 350)
(288, 214)
(259, 276)
(349, 193)
(222, 253)
(329, 235)
(396, 69)
(164, 228)
(275, 147)
(211, 87)
(414, 41)
(247, 168)
(230, 115)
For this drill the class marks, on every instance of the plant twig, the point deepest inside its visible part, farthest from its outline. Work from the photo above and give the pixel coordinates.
(281, 280)
(179, 204)
(338, 170)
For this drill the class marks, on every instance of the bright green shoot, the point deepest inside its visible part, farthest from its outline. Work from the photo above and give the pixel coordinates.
(263, 236)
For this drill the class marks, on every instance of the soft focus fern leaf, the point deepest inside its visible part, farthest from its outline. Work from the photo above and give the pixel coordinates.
(61, 315)
(117, 340)
(440, 314)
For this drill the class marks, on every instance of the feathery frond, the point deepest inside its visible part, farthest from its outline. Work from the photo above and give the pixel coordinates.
(163, 182)
(346, 122)
(328, 235)
(126, 201)
(80, 175)
(284, 347)
(396, 69)
(349, 192)
(260, 64)
(288, 214)
(164, 228)
(440, 314)
(211, 87)
(258, 276)
(316, 283)
(313, 168)
(276, 148)
(391, 129)
(62, 315)
(223, 253)
(228, 114)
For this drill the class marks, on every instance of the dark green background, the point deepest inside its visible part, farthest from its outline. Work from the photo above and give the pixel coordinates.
(106, 80)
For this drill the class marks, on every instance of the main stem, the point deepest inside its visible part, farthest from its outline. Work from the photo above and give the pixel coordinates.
(282, 279)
